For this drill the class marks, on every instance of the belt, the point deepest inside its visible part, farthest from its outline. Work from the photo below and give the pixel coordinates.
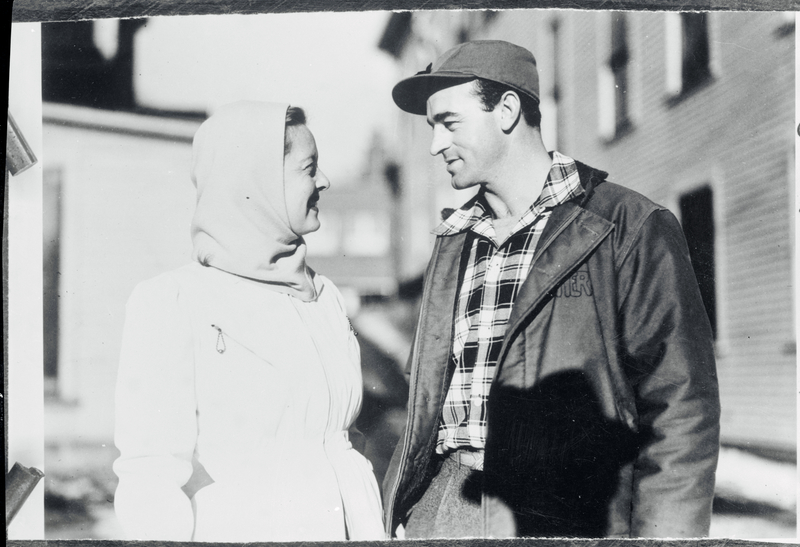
(468, 458)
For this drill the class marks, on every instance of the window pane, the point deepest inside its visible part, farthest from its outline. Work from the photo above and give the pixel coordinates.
(51, 231)
(696, 57)
(697, 219)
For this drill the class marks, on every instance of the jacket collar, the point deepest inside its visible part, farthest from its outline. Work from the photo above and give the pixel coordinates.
(571, 234)
(563, 184)
(591, 178)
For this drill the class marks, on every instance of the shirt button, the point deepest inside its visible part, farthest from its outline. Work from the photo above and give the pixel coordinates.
(476, 402)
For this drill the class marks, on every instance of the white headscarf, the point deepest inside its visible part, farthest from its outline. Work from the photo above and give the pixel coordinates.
(241, 224)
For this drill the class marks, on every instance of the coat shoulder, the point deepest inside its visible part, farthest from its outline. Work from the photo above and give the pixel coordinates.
(164, 287)
(636, 218)
(610, 200)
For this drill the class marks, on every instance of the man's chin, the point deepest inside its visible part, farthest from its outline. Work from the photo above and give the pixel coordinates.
(459, 184)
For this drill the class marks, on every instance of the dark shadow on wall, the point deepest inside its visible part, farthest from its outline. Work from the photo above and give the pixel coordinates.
(556, 457)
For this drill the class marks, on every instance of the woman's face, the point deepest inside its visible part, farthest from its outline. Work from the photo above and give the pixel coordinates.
(302, 180)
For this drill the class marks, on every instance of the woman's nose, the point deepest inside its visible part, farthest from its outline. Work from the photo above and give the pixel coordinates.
(322, 180)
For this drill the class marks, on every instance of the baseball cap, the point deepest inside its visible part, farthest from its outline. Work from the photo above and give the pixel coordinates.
(495, 60)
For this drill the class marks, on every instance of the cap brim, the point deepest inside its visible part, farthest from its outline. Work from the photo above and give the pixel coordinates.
(412, 93)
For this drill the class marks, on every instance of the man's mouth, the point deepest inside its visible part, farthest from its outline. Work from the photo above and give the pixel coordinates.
(312, 203)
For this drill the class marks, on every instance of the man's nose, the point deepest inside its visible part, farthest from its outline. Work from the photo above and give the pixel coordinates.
(439, 142)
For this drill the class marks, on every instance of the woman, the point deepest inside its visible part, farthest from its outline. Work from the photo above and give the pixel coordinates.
(240, 374)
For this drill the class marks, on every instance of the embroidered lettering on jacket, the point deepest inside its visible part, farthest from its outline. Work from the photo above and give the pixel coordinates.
(577, 285)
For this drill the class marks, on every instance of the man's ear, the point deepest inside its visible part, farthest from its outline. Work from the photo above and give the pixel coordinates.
(510, 110)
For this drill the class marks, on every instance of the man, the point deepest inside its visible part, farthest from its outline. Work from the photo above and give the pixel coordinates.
(562, 374)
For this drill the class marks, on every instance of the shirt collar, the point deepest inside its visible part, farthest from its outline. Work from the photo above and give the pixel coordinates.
(563, 184)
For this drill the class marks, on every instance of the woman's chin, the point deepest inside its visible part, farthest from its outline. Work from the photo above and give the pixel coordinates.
(310, 227)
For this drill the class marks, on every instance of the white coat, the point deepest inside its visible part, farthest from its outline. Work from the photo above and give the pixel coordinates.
(258, 388)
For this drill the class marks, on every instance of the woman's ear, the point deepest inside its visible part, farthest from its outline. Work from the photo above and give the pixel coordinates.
(510, 110)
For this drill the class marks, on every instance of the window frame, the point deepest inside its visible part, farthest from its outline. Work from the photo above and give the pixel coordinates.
(613, 61)
(675, 55)
(683, 183)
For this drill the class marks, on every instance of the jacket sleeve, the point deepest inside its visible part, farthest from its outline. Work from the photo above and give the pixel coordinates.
(156, 424)
(669, 357)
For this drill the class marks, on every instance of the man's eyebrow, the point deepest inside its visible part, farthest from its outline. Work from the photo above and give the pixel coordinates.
(440, 117)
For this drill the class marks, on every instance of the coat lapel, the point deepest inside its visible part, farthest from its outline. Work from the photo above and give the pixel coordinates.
(570, 235)
(431, 378)
(435, 333)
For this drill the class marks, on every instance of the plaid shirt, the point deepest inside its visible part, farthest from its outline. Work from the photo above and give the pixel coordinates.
(492, 278)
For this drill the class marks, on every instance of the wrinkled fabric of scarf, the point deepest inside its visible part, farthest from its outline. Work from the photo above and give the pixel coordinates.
(241, 224)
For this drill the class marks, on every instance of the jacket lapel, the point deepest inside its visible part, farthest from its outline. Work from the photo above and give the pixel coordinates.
(570, 235)
(431, 378)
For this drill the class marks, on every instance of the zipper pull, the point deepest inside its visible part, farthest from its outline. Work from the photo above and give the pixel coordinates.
(351, 327)
(220, 340)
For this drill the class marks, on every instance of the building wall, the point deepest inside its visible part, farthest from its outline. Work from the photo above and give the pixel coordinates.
(126, 206)
(734, 134)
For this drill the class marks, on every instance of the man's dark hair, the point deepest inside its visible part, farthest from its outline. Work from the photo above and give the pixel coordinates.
(294, 116)
(490, 93)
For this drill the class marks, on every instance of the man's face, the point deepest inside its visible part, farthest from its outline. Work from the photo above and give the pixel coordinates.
(467, 137)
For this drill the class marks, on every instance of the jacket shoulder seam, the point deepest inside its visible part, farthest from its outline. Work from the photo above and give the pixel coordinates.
(635, 233)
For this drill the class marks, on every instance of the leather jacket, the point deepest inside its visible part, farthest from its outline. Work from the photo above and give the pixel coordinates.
(603, 416)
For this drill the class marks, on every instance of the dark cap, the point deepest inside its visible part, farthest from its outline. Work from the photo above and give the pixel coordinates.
(495, 60)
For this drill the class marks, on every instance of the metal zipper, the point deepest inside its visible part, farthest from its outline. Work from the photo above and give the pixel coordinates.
(221, 335)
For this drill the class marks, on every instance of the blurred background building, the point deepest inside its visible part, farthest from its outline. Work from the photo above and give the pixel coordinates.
(694, 110)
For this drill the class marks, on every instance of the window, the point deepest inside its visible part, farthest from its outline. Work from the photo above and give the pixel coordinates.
(613, 80)
(51, 263)
(697, 219)
(688, 52)
(555, 90)
(696, 58)
(619, 68)
(551, 92)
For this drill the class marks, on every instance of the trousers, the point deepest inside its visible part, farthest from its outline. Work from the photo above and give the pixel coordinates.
(454, 506)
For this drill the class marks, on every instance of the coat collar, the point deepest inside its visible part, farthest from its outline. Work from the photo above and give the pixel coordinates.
(571, 234)
(564, 182)
(591, 178)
